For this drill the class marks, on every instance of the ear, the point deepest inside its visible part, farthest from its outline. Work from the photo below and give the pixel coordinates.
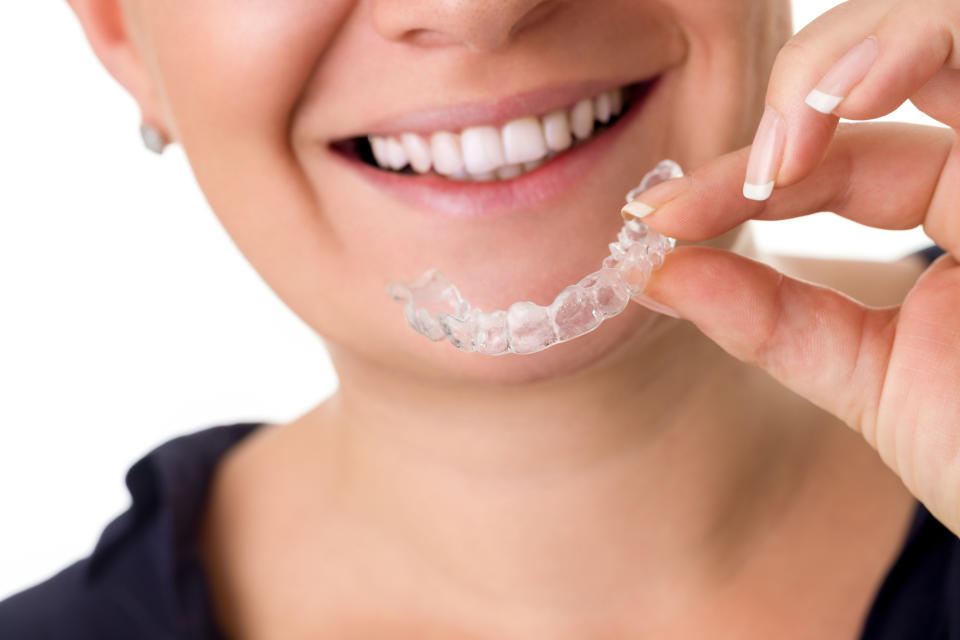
(114, 39)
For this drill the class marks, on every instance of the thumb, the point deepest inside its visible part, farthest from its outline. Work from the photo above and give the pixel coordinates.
(817, 341)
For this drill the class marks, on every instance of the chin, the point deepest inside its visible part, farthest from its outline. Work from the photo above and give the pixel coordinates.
(441, 363)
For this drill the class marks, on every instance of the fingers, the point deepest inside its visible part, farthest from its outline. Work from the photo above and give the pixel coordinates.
(891, 176)
(816, 341)
(798, 68)
(859, 61)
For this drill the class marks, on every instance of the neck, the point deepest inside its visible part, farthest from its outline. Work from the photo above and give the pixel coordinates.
(541, 494)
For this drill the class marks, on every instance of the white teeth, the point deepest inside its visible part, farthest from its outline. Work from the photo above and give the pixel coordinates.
(418, 151)
(556, 130)
(604, 107)
(396, 156)
(523, 140)
(530, 166)
(509, 171)
(616, 101)
(486, 176)
(482, 149)
(379, 147)
(581, 119)
(445, 149)
(489, 153)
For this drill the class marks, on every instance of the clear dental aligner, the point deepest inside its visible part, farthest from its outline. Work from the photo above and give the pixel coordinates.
(434, 307)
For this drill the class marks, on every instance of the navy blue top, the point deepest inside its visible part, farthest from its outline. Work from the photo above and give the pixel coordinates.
(144, 579)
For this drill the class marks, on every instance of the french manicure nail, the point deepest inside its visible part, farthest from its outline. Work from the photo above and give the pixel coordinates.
(645, 301)
(843, 76)
(636, 210)
(765, 156)
(655, 197)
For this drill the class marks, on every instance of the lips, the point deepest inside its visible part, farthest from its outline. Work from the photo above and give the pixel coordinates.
(488, 169)
(490, 152)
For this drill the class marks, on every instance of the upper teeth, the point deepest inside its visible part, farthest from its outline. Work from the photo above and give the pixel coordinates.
(487, 152)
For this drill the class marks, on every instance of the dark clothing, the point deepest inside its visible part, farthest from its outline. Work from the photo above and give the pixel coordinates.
(144, 580)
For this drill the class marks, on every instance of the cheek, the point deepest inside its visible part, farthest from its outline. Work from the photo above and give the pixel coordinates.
(731, 48)
(231, 73)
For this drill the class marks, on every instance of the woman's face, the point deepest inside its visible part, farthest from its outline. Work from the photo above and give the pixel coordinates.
(257, 91)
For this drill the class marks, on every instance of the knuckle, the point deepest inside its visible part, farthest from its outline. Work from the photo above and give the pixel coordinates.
(792, 54)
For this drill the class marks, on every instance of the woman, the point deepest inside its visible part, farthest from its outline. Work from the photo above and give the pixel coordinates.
(756, 460)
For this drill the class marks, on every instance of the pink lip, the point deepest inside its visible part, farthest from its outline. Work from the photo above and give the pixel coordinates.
(494, 112)
(462, 199)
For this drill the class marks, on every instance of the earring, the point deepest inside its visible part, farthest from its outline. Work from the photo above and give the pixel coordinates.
(152, 138)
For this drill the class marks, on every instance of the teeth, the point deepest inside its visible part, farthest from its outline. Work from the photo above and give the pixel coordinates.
(447, 156)
(530, 166)
(497, 153)
(418, 151)
(523, 140)
(616, 101)
(379, 146)
(485, 176)
(509, 171)
(396, 156)
(482, 149)
(581, 119)
(604, 107)
(556, 130)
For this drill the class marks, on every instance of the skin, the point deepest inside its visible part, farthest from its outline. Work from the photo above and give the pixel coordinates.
(608, 486)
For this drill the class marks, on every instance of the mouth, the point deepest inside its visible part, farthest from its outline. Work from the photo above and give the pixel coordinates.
(499, 165)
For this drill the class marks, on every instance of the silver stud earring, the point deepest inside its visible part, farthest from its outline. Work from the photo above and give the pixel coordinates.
(152, 138)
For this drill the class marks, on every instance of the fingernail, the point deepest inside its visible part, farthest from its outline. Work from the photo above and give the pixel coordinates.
(765, 156)
(654, 198)
(843, 76)
(645, 301)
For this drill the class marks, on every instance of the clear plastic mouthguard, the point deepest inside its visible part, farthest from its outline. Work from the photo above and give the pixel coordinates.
(434, 307)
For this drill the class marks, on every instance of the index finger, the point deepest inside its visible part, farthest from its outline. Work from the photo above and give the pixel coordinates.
(879, 174)
(860, 61)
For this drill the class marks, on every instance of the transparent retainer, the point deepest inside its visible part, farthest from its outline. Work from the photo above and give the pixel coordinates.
(434, 307)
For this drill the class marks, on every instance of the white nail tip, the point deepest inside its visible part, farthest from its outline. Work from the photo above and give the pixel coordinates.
(636, 210)
(757, 191)
(823, 102)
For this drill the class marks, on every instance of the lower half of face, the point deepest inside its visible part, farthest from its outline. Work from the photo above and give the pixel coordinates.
(347, 144)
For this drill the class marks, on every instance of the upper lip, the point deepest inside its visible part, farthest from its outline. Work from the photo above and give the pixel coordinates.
(497, 111)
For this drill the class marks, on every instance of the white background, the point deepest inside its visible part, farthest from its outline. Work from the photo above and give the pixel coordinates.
(126, 315)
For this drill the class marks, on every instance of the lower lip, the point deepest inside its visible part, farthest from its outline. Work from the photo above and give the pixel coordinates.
(461, 199)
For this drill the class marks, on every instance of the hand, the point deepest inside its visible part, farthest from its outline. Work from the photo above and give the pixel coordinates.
(893, 374)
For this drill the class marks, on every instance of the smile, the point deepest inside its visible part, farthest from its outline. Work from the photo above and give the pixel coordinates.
(497, 164)
(489, 152)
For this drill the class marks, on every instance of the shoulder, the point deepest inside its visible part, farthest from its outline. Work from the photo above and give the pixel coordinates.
(142, 579)
(65, 605)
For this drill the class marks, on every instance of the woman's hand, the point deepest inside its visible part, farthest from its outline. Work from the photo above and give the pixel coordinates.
(891, 373)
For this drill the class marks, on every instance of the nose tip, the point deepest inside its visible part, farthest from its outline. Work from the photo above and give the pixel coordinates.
(477, 25)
